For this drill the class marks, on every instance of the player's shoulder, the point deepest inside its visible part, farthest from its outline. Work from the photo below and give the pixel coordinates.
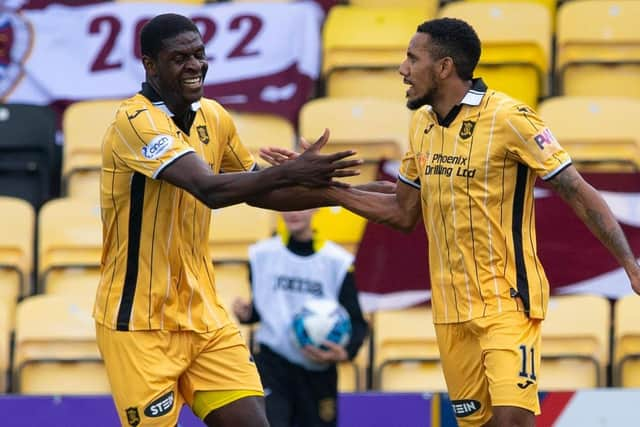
(209, 105)
(505, 105)
(133, 108)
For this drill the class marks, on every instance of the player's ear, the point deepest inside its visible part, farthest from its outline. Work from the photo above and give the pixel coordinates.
(149, 65)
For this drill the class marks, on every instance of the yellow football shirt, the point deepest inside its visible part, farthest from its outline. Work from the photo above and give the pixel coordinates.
(476, 170)
(156, 269)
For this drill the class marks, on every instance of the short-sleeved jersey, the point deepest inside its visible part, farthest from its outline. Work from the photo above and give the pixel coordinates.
(476, 170)
(156, 269)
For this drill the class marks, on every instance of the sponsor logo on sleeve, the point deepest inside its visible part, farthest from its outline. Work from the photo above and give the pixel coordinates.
(544, 138)
(161, 406)
(157, 147)
(464, 408)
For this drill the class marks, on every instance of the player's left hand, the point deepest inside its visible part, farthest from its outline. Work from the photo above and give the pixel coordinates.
(334, 353)
(277, 155)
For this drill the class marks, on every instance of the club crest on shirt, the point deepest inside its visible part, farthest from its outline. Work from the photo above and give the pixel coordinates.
(327, 409)
(466, 130)
(203, 134)
(133, 417)
(422, 159)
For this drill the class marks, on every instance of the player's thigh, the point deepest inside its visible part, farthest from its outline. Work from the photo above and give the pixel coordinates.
(463, 369)
(222, 365)
(143, 369)
(511, 344)
(245, 412)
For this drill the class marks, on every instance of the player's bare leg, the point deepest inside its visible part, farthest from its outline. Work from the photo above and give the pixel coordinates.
(511, 416)
(245, 412)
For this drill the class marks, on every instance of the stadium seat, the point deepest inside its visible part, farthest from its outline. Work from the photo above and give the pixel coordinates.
(516, 45)
(263, 130)
(405, 352)
(84, 124)
(16, 247)
(626, 367)
(366, 83)
(334, 223)
(428, 7)
(375, 128)
(603, 57)
(73, 281)
(6, 326)
(27, 152)
(234, 228)
(593, 131)
(232, 281)
(575, 343)
(55, 347)
(70, 237)
(368, 37)
(549, 4)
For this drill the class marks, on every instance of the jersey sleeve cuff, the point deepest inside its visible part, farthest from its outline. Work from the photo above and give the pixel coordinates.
(414, 184)
(171, 160)
(557, 170)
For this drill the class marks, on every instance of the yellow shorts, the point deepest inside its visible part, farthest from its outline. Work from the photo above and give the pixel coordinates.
(152, 373)
(490, 361)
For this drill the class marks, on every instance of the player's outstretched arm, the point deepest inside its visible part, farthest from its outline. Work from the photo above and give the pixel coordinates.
(400, 210)
(592, 209)
(310, 169)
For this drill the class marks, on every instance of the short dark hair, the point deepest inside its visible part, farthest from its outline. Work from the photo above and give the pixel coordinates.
(457, 39)
(161, 28)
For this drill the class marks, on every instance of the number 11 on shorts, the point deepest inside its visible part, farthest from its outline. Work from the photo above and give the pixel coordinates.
(524, 373)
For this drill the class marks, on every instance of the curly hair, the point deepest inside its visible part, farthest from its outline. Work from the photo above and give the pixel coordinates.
(454, 38)
(161, 28)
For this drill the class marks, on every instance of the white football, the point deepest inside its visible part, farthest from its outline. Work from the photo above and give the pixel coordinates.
(321, 320)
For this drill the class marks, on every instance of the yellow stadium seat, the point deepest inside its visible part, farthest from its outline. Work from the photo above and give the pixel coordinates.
(516, 45)
(232, 281)
(428, 7)
(549, 4)
(6, 326)
(263, 130)
(626, 367)
(55, 347)
(84, 124)
(16, 246)
(70, 237)
(594, 132)
(575, 343)
(375, 128)
(405, 353)
(366, 83)
(234, 228)
(368, 37)
(601, 58)
(73, 281)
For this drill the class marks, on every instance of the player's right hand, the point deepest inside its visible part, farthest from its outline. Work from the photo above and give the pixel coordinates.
(313, 169)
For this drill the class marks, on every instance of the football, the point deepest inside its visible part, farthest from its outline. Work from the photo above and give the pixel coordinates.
(321, 320)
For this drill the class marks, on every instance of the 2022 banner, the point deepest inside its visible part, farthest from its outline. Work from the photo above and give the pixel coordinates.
(262, 57)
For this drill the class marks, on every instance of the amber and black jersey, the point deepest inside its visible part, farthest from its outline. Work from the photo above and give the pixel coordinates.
(475, 170)
(156, 269)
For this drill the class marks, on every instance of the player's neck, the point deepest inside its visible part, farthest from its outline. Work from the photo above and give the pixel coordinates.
(450, 94)
(305, 235)
(178, 107)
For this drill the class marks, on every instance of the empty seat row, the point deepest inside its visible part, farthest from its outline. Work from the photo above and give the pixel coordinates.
(363, 46)
(55, 350)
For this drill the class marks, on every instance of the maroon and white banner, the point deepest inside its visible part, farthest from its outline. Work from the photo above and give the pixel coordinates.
(262, 57)
(392, 271)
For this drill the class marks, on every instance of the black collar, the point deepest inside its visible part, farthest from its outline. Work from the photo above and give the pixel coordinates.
(184, 122)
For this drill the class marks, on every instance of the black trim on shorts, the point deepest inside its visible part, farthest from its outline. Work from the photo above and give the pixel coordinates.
(516, 228)
(133, 251)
